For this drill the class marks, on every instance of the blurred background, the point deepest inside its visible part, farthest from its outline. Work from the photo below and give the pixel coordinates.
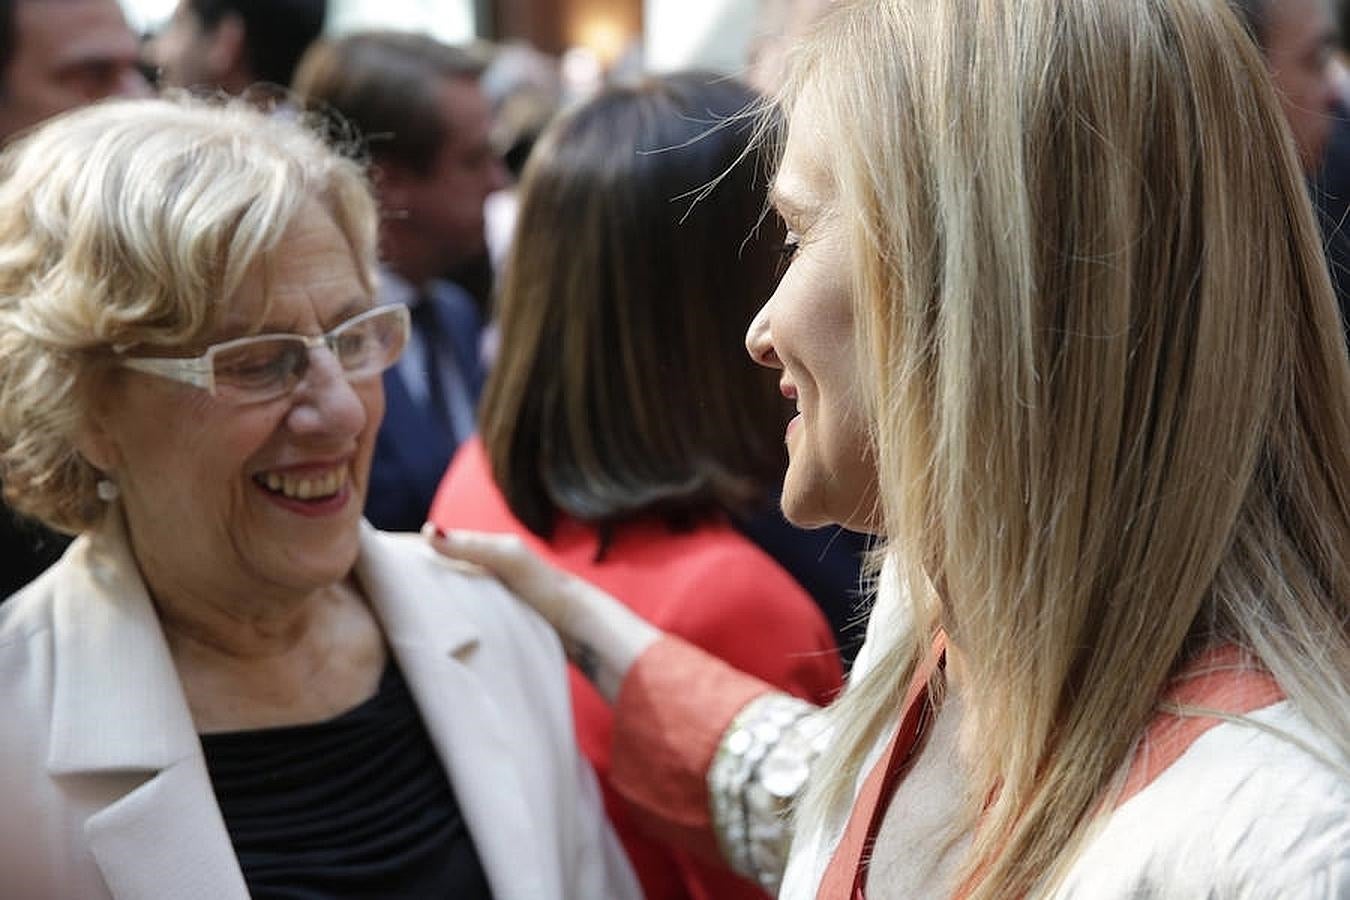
(650, 35)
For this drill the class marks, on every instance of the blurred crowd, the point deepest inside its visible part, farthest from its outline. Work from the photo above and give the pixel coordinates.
(579, 261)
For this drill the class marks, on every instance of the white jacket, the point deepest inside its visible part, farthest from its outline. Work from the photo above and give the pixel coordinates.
(1245, 813)
(103, 786)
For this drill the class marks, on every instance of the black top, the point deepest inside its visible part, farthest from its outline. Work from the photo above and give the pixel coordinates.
(26, 550)
(357, 806)
(826, 562)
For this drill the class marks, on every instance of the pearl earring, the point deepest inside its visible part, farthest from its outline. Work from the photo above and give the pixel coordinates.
(107, 490)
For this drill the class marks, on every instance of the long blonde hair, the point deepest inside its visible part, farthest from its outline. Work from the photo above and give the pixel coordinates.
(1110, 397)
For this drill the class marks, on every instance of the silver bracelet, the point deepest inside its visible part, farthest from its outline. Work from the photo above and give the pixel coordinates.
(761, 765)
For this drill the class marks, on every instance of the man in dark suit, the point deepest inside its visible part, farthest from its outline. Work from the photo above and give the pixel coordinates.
(55, 57)
(426, 121)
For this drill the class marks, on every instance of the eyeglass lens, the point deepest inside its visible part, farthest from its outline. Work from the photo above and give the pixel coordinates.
(271, 366)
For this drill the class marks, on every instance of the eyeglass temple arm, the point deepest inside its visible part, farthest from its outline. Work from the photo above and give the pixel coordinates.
(196, 372)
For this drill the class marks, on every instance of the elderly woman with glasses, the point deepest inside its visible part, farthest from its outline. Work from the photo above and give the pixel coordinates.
(229, 685)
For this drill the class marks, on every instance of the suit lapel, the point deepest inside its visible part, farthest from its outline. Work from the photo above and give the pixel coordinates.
(413, 438)
(436, 646)
(123, 737)
(166, 839)
(461, 325)
(408, 439)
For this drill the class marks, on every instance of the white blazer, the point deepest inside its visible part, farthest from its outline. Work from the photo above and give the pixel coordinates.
(1257, 808)
(104, 790)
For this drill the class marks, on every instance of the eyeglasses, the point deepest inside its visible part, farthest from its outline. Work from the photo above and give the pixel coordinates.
(267, 366)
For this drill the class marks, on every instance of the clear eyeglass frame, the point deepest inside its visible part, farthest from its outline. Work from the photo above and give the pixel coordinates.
(263, 367)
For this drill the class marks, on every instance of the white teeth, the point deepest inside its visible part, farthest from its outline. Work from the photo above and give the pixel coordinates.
(307, 488)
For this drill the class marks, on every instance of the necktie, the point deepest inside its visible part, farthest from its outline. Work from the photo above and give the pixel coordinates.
(436, 356)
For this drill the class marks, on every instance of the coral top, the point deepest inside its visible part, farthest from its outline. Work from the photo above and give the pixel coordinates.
(710, 586)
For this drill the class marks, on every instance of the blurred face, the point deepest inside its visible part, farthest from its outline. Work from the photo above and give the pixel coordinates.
(1299, 38)
(444, 208)
(183, 52)
(264, 497)
(66, 54)
(806, 331)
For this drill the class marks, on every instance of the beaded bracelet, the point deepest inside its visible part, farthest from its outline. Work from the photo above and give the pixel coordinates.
(760, 768)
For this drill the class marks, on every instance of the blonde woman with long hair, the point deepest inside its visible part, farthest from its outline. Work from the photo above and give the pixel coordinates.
(1060, 333)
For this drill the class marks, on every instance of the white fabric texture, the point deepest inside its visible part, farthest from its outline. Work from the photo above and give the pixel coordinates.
(812, 848)
(1243, 814)
(918, 852)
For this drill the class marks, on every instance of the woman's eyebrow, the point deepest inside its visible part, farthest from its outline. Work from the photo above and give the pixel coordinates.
(358, 304)
(794, 210)
(783, 201)
(354, 307)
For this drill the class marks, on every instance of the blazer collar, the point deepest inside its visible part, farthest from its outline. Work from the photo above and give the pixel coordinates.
(431, 626)
(119, 715)
(125, 711)
(418, 605)
(121, 710)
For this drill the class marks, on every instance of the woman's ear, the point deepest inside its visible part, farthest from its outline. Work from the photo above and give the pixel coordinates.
(393, 183)
(95, 441)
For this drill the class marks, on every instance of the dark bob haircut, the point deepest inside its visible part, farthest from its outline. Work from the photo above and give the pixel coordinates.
(624, 388)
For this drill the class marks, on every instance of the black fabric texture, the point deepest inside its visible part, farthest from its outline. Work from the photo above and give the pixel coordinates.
(354, 807)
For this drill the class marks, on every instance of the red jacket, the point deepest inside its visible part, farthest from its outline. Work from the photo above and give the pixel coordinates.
(710, 586)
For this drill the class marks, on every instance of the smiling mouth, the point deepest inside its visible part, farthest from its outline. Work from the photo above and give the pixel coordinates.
(313, 486)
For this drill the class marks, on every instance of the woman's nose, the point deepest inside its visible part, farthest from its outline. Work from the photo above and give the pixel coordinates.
(759, 340)
(325, 401)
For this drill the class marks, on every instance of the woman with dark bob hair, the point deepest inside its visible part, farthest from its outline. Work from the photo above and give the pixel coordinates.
(229, 685)
(1060, 333)
(622, 430)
